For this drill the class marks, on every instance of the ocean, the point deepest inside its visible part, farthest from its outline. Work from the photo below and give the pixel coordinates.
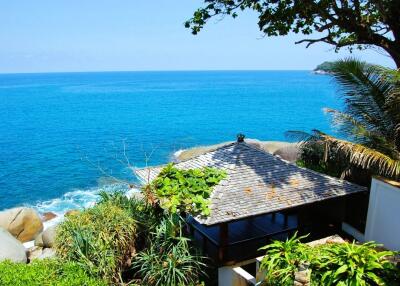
(66, 136)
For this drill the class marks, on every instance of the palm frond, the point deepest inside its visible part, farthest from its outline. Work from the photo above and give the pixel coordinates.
(364, 157)
(365, 90)
(356, 131)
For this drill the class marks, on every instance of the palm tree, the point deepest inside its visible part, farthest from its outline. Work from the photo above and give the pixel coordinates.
(370, 120)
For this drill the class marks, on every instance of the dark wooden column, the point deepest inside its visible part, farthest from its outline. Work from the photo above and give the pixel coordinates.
(223, 239)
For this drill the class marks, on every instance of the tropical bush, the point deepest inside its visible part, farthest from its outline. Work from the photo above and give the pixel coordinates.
(146, 216)
(282, 260)
(46, 272)
(353, 264)
(330, 264)
(186, 190)
(170, 260)
(101, 239)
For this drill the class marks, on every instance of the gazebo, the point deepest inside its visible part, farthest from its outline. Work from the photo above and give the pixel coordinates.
(263, 197)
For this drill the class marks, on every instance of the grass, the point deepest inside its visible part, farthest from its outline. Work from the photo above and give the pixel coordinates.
(45, 273)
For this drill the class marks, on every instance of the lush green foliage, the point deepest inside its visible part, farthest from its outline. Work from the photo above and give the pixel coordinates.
(330, 264)
(282, 260)
(46, 272)
(129, 240)
(341, 23)
(186, 190)
(353, 264)
(106, 238)
(170, 260)
(101, 239)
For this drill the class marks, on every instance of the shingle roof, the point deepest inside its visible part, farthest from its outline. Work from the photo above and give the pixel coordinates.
(257, 183)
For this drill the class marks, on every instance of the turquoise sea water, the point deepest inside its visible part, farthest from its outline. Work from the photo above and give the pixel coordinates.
(63, 134)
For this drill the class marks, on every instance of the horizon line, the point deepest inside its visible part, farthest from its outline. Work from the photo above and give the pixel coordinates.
(177, 70)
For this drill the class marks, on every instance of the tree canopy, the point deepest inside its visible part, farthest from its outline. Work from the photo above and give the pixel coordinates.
(341, 23)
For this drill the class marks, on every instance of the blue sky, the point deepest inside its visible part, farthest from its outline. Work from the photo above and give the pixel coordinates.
(119, 35)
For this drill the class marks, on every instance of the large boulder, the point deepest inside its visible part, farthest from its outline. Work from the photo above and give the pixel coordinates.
(49, 236)
(23, 223)
(11, 248)
(289, 153)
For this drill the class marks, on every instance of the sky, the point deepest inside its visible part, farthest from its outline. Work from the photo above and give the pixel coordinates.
(134, 35)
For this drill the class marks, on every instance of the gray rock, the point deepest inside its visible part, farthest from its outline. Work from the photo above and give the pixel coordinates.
(23, 223)
(302, 276)
(289, 153)
(47, 253)
(39, 240)
(49, 236)
(11, 248)
(34, 252)
(37, 252)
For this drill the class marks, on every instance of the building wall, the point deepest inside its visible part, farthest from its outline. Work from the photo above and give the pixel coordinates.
(383, 222)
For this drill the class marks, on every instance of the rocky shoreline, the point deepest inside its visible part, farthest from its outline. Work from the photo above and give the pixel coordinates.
(26, 235)
(286, 150)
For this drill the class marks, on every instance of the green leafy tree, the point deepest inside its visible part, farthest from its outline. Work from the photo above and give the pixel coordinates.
(341, 23)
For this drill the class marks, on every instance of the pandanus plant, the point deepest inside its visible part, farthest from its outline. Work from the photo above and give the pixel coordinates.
(370, 119)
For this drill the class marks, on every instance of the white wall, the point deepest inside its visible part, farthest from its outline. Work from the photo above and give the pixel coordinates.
(383, 220)
(234, 276)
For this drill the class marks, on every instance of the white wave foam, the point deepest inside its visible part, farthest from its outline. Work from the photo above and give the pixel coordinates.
(176, 154)
(76, 199)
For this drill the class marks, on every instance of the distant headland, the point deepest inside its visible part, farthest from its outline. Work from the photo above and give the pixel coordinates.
(323, 68)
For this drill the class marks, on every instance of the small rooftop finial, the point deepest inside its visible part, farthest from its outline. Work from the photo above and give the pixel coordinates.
(240, 138)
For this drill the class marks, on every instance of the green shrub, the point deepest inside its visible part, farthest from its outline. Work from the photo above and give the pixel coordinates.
(146, 216)
(353, 264)
(101, 239)
(282, 260)
(170, 260)
(46, 272)
(330, 264)
(186, 190)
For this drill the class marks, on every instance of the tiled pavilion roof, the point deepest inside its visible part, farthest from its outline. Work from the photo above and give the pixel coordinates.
(258, 183)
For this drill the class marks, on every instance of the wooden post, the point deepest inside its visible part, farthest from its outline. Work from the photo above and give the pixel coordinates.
(223, 237)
